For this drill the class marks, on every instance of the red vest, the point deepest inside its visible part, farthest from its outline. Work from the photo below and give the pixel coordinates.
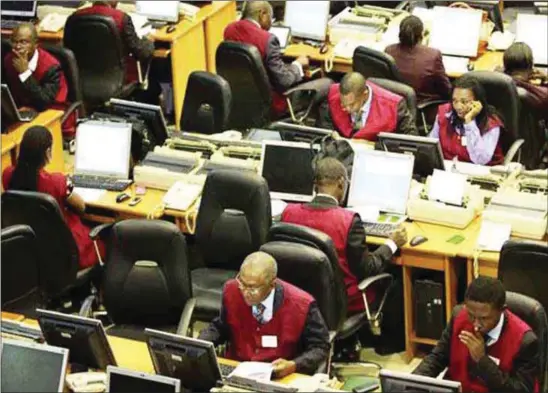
(249, 33)
(450, 140)
(336, 223)
(118, 17)
(246, 333)
(22, 99)
(505, 349)
(383, 115)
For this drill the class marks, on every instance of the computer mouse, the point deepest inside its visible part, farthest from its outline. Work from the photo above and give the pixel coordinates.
(122, 197)
(419, 239)
(171, 29)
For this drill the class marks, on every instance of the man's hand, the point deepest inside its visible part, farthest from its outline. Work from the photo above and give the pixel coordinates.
(475, 109)
(283, 367)
(20, 62)
(399, 236)
(303, 60)
(475, 344)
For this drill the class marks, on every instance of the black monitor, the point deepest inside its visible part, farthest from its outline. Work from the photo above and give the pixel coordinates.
(85, 338)
(23, 9)
(427, 151)
(493, 11)
(10, 113)
(192, 361)
(392, 381)
(297, 132)
(152, 115)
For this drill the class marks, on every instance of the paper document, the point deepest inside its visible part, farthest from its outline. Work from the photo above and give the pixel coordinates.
(493, 235)
(254, 370)
(455, 65)
(447, 187)
(89, 194)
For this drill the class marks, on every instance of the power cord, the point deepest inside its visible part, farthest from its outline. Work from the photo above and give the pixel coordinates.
(157, 211)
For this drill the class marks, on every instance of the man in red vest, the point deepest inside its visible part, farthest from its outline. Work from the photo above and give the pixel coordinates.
(253, 29)
(266, 319)
(345, 227)
(34, 76)
(360, 109)
(485, 346)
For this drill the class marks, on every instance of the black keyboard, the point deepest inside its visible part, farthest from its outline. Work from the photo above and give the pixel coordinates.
(378, 229)
(103, 183)
(10, 24)
(226, 369)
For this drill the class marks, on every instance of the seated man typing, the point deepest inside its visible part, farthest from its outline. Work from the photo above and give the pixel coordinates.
(360, 109)
(268, 320)
(485, 346)
(345, 228)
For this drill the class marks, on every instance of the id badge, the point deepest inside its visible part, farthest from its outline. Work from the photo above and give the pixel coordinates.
(269, 341)
(463, 141)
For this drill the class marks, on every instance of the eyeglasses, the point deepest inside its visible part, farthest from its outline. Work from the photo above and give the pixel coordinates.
(253, 291)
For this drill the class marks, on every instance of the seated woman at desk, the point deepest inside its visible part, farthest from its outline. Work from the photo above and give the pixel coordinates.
(29, 175)
(469, 128)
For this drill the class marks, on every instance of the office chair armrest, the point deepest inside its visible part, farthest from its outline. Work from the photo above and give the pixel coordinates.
(99, 231)
(514, 149)
(431, 103)
(74, 106)
(362, 286)
(319, 86)
(332, 335)
(186, 317)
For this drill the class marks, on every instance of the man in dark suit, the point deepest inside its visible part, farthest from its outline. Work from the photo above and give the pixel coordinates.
(485, 346)
(266, 319)
(253, 29)
(420, 66)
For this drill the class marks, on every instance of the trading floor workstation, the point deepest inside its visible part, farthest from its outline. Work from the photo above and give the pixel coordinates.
(274, 196)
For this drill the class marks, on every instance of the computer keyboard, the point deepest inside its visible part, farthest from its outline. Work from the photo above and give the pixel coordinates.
(378, 229)
(102, 183)
(18, 329)
(226, 369)
(10, 24)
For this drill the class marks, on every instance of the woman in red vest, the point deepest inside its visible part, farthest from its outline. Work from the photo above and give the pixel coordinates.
(469, 128)
(485, 346)
(29, 175)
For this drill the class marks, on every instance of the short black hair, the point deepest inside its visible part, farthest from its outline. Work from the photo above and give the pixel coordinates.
(328, 170)
(518, 57)
(411, 29)
(487, 290)
(352, 82)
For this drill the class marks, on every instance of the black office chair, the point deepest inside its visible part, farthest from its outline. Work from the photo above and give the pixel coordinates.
(242, 67)
(502, 94)
(233, 221)
(20, 270)
(402, 90)
(533, 130)
(372, 63)
(207, 103)
(6, 48)
(147, 278)
(97, 46)
(56, 247)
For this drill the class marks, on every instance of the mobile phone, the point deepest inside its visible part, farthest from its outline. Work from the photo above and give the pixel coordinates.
(135, 201)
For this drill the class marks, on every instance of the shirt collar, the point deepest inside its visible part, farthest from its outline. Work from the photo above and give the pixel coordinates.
(268, 303)
(33, 62)
(367, 105)
(494, 333)
(254, 22)
(330, 197)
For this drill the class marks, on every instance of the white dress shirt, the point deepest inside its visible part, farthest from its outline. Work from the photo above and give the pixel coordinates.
(33, 63)
(268, 304)
(366, 108)
(494, 333)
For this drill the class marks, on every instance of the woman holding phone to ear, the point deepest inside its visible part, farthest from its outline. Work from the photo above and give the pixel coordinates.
(469, 128)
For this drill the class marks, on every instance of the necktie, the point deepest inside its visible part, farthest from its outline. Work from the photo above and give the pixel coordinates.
(358, 123)
(258, 312)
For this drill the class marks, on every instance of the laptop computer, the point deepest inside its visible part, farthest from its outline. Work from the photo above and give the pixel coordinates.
(283, 33)
(379, 189)
(10, 110)
(102, 155)
(120, 380)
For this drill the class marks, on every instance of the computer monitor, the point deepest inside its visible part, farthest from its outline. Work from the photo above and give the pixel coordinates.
(307, 19)
(120, 380)
(152, 115)
(26, 9)
(95, 142)
(166, 11)
(287, 169)
(380, 179)
(190, 360)
(85, 338)
(427, 151)
(493, 11)
(533, 30)
(282, 33)
(447, 33)
(393, 381)
(32, 367)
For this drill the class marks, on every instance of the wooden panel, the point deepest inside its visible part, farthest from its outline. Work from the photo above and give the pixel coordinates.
(423, 260)
(419, 340)
(410, 346)
(215, 24)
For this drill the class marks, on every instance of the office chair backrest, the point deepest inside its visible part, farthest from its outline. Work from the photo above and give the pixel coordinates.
(147, 278)
(57, 250)
(70, 68)
(503, 96)
(6, 48)
(402, 90)
(207, 103)
(242, 67)
(233, 219)
(309, 268)
(531, 312)
(523, 268)
(531, 129)
(372, 63)
(97, 46)
(19, 264)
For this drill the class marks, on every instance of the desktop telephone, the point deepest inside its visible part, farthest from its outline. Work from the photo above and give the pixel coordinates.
(87, 382)
(182, 195)
(53, 22)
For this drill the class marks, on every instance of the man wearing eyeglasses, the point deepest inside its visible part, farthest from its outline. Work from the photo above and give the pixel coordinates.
(269, 320)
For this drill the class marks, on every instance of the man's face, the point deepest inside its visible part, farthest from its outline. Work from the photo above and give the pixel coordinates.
(254, 288)
(265, 19)
(483, 316)
(23, 43)
(352, 103)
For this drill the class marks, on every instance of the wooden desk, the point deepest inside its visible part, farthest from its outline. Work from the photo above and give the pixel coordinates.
(219, 15)
(12, 139)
